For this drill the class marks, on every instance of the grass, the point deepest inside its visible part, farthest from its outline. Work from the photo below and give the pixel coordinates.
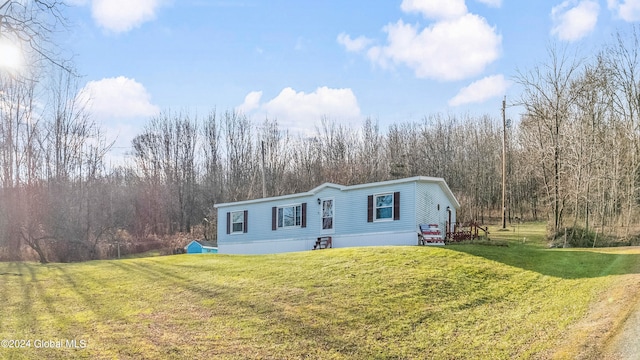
(460, 301)
(149, 253)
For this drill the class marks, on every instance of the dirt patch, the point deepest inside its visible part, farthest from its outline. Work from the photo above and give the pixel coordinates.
(624, 343)
(610, 321)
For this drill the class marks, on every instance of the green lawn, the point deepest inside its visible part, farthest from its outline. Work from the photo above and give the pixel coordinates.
(461, 301)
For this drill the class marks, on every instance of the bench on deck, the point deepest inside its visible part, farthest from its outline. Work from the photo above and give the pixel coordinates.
(429, 234)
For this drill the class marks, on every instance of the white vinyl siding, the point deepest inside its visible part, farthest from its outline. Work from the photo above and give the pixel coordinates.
(350, 217)
(432, 205)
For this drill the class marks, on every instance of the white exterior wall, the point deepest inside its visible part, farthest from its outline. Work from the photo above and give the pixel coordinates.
(431, 206)
(401, 238)
(418, 205)
(266, 246)
(259, 226)
(353, 209)
(405, 238)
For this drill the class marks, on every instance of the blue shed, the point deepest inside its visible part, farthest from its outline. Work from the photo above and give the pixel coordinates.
(333, 215)
(201, 247)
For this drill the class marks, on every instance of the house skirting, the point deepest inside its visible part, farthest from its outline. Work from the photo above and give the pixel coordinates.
(304, 244)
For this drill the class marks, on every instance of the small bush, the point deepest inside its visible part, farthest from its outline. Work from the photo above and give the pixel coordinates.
(634, 240)
(580, 237)
(483, 241)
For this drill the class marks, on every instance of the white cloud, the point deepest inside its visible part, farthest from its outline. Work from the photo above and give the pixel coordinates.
(457, 45)
(120, 106)
(353, 45)
(117, 98)
(447, 50)
(435, 9)
(574, 20)
(627, 10)
(492, 3)
(481, 90)
(121, 15)
(251, 102)
(301, 112)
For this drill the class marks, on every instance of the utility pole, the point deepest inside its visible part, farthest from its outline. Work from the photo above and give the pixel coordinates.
(264, 180)
(504, 163)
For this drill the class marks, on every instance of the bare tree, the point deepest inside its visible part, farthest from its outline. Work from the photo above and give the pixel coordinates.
(548, 97)
(31, 26)
(276, 145)
(165, 154)
(371, 153)
(75, 148)
(334, 146)
(621, 63)
(242, 173)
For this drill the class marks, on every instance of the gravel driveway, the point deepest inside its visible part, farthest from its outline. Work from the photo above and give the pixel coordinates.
(626, 344)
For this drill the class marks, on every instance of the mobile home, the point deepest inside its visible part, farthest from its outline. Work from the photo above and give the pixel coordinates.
(332, 215)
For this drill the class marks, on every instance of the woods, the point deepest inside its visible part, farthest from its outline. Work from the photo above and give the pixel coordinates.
(572, 159)
(76, 208)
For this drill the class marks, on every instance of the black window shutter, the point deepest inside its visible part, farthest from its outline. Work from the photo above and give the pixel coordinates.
(274, 218)
(396, 205)
(246, 215)
(228, 222)
(303, 221)
(370, 208)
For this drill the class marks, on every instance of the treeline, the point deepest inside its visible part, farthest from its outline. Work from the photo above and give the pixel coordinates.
(573, 158)
(579, 137)
(183, 165)
(60, 201)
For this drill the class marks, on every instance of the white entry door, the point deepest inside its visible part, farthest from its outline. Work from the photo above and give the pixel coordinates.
(327, 213)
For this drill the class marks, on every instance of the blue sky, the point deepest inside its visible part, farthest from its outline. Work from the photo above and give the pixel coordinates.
(297, 61)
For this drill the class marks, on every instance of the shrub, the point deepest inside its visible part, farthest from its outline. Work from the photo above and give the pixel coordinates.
(483, 241)
(580, 237)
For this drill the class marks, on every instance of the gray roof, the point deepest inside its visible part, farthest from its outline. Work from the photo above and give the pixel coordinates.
(439, 181)
(206, 243)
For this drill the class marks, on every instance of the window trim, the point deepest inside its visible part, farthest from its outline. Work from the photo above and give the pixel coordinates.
(375, 207)
(243, 222)
(333, 218)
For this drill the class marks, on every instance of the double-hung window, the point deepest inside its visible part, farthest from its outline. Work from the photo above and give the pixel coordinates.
(384, 207)
(237, 222)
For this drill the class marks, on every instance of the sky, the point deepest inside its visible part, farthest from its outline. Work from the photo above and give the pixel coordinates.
(299, 61)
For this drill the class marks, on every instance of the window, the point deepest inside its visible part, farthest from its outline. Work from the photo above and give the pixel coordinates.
(237, 222)
(327, 214)
(384, 207)
(290, 216)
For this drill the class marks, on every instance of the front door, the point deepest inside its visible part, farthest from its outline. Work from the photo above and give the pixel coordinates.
(327, 212)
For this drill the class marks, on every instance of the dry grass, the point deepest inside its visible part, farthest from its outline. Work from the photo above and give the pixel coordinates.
(463, 301)
(589, 338)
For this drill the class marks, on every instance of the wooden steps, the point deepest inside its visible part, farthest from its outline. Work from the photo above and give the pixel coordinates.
(323, 242)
